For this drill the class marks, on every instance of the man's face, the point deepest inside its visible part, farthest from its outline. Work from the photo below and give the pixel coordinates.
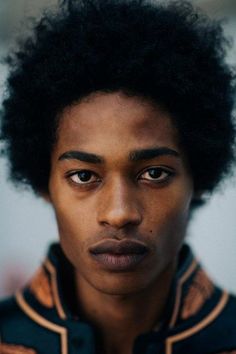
(121, 191)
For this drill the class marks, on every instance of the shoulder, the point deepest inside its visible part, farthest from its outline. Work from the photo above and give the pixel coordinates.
(11, 317)
(20, 332)
(12, 321)
(227, 318)
(205, 315)
(9, 311)
(218, 327)
(212, 330)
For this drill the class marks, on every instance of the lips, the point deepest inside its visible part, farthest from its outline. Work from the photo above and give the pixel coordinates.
(119, 255)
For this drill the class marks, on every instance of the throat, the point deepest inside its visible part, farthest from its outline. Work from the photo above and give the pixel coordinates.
(119, 319)
(110, 345)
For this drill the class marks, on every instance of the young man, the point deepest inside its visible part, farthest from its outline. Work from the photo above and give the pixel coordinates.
(119, 113)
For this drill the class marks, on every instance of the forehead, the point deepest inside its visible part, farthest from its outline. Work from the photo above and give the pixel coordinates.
(111, 121)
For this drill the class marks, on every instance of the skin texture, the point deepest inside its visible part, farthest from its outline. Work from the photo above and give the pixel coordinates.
(120, 200)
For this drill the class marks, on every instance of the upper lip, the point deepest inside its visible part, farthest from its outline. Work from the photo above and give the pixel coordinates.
(119, 247)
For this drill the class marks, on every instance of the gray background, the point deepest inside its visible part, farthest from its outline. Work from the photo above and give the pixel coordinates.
(27, 223)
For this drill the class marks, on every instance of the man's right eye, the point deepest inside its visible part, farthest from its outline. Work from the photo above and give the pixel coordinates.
(83, 177)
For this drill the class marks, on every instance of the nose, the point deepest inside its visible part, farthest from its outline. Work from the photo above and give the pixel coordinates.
(118, 206)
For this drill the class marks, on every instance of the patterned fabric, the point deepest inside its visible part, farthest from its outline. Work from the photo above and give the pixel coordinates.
(200, 291)
(41, 288)
(43, 318)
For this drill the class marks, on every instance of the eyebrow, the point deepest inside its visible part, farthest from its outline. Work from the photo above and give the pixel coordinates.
(148, 154)
(81, 156)
(136, 155)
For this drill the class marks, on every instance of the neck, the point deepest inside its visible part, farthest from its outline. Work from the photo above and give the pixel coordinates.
(119, 319)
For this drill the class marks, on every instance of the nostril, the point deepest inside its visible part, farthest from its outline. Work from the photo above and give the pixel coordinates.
(120, 218)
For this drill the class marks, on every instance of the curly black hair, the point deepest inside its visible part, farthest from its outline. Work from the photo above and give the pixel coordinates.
(168, 52)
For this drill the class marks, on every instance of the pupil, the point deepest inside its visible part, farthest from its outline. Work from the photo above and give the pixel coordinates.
(155, 173)
(85, 176)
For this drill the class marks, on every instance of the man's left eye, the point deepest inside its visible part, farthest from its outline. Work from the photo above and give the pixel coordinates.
(156, 174)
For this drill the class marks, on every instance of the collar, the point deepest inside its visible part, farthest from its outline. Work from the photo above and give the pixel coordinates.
(194, 301)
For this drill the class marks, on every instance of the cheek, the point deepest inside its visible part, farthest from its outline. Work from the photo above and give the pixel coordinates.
(75, 222)
(76, 227)
(169, 215)
(72, 224)
(73, 234)
(70, 210)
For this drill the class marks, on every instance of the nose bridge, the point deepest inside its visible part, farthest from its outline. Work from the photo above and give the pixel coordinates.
(118, 205)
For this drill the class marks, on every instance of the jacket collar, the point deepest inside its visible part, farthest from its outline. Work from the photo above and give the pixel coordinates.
(51, 288)
(193, 303)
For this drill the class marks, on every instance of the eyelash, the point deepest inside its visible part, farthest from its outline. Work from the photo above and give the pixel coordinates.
(169, 173)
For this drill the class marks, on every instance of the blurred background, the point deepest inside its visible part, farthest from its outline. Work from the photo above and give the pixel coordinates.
(27, 224)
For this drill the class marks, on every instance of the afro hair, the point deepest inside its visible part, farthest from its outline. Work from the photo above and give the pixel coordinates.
(168, 52)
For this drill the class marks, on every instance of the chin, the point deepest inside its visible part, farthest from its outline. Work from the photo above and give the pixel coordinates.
(124, 284)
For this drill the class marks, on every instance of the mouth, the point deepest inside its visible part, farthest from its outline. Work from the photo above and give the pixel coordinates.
(119, 255)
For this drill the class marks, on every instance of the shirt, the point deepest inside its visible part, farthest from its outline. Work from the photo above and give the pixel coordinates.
(200, 318)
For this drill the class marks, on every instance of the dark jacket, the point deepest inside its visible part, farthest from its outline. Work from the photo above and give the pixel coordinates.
(200, 318)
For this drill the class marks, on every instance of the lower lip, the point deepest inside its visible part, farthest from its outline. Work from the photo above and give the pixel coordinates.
(119, 262)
